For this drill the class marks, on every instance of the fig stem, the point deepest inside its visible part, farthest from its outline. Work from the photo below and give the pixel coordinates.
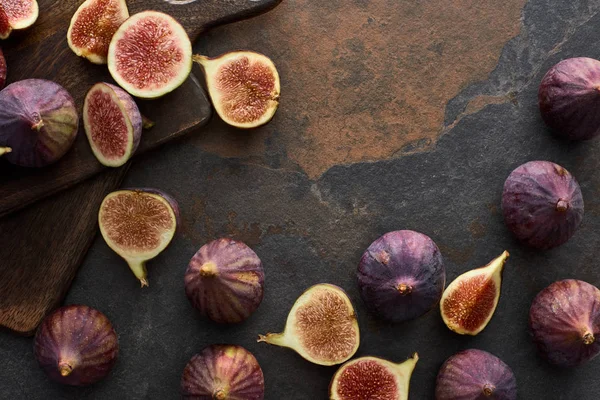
(488, 390)
(208, 270)
(4, 150)
(147, 123)
(219, 395)
(277, 339)
(199, 59)
(65, 369)
(139, 270)
(38, 125)
(562, 205)
(588, 338)
(404, 289)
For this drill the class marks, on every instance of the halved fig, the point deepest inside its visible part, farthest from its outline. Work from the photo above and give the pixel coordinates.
(243, 86)
(367, 378)
(113, 124)
(321, 326)
(2, 70)
(17, 14)
(469, 302)
(138, 224)
(150, 55)
(93, 26)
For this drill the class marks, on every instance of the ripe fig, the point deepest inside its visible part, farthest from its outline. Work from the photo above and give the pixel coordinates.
(223, 372)
(225, 280)
(17, 14)
(542, 204)
(368, 378)
(569, 98)
(2, 70)
(401, 275)
(76, 345)
(475, 375)
(38, 122)
(321, 326)
(113, 124)
(93, 26)
(243, 86)
(150, 55)
(469, 302)
(565, 322)
(138, 224)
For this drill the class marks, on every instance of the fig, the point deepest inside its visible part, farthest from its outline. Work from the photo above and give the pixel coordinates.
(2, 70)
(17, 14)
(542, 204)
(225, 280)
(401, 275)
(38, 122)
(243, 86)
(93, 26)
(475, 375)
(150, 55)
(113, 124)
(321, 326)
(564, 320)
(76, 345)
(138, 224)
(223, 372)
(368, 378)
(469, 302)
(569, 98)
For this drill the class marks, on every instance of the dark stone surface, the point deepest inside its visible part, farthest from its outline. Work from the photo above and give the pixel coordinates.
(315, 230)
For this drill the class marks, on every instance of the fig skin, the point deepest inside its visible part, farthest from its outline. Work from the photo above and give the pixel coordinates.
(76, 345)
(569, 98)
(475, 375)
(2, 69)
(401, 276)
(542, 204)
(564, 320)
(14, 17)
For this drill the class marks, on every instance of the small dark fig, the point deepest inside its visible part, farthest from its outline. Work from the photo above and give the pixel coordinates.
(542, 204)
(367, 378)
(16, 15)
(38, 122)
(475, 375)
(569, 98)
(225, 280)
(321, 326)
(2, 69)
(223, 372)
(401, 275)
(564, 320)
(76, 345)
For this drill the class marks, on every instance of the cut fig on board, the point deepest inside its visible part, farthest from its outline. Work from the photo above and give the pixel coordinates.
(17, 14)
(469, 302)
(150, 55)
(243, 86)
(93, 26)
(321, 326)
(368, 378)
(2, 70)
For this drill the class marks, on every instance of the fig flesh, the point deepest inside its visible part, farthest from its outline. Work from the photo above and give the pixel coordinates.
(113, 124)
(401, 275)
(321, 326)
(223, 372)
(2, 70)
(225, 280)
(367, 378)
(38, 122)
(542, 204)
(138, 224)
(17, 14)
(564, 319)
(150, 55)
(469, 302)
(244, 87)
(475, 375)
(569, 98)
(93, 26)
(76, 345)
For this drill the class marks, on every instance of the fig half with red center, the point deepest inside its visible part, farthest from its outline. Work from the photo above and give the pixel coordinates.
(17, 14)
(542, 204)
(564, 319)
(2, 70)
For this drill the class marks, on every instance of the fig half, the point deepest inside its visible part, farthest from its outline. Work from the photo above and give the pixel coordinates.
(138, 224)
(564, 319)
(17, 14)
(469, 302)
(2, 70)
(321, 326)
(367, 378)
(244, 87)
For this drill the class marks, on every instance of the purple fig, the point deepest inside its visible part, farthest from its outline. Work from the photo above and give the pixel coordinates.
(475, 375)
(38, 122)
(569, 98)
(401, 275)
(76, 345)
(2, 69)
(542, 204)
(565, 322)
(225, 280)
(223, 372)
